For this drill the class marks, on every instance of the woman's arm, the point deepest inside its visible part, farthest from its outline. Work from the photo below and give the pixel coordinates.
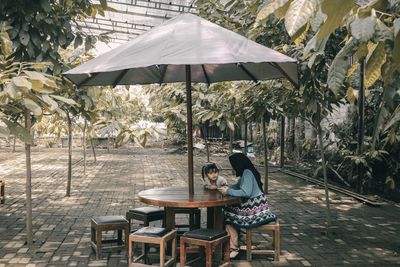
(246, 186)
(221, 181)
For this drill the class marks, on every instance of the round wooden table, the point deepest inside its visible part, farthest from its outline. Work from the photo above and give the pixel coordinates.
(179, 197)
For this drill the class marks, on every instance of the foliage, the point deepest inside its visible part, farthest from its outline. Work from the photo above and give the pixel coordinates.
(23, 86)
(40, 28)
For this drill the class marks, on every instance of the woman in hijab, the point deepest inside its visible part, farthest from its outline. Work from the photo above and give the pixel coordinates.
(254, 209)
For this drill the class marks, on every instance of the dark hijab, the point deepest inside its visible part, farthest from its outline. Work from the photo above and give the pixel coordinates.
(240, 162)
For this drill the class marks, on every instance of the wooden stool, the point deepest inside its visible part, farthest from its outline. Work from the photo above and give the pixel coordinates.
(194, 218)
(276, 241)
(153, 235)
(146, 215)
(107, 223)
(209, 239)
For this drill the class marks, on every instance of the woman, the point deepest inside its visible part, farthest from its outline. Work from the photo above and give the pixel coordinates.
(254, 210)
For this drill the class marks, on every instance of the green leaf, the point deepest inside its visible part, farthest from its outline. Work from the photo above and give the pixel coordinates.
(34, 75)
(12, 90)
(363, 29)
(231, 125)
(53, 104)
(351, 95)
(375, 61)
(4, 132)
(20, 132)
(298, 14)
(268, 9)
(78, 41)
(22, 82)
(32, 106)
(45, 5)
(103, 4)
(24, 38)
(395, 119)
(336, 10)
(5, 44)
(338, 70)
(65, 100)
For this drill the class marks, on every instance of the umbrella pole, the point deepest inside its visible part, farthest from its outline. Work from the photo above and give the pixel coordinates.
(189, 127)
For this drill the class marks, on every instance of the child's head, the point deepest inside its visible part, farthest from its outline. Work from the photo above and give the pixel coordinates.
(210, 171)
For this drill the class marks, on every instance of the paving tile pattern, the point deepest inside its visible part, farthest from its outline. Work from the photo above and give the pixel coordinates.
(361, 235)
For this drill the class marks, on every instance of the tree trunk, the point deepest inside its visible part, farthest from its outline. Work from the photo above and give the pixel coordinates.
(282, 142)
(291, 137)
(69, 178)
(28, 186)
(93, 150)
(250, 125)
(301, 135)
(265, 144)
(14, 141)
(230, 141)
(204, 133)
(322, 151)
(245, 137)
(84, 147)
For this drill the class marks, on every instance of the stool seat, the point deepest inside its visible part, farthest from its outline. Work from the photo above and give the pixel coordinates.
(109, 219)
(151, 231)
(205, 234)
(147, 210)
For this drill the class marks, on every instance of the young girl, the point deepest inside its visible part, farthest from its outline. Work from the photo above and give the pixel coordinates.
(213, 180)
(254, 209)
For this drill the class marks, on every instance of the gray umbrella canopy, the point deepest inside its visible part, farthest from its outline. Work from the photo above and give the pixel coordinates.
(160, 55)
(187, 49)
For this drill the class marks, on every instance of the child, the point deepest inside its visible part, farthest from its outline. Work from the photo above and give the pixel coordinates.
(213, 181)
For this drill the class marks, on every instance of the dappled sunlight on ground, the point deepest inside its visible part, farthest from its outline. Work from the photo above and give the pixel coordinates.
(360, 235)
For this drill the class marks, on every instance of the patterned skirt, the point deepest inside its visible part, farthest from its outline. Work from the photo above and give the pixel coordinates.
(250, 213)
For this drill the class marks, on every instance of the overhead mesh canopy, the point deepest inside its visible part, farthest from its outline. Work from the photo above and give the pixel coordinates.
(133, 17)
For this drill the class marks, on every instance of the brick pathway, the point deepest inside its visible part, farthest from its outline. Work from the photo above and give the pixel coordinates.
(363, 235)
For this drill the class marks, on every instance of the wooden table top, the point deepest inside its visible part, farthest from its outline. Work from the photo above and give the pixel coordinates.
(179, 197)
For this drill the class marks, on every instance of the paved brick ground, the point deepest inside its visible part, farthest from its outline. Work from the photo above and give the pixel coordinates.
(363, 235)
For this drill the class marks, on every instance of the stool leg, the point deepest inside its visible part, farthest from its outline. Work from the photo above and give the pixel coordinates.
(174, 250)
(129, 253)
(227, 248)
(98, 243)
(162, 253)
(198, 221)
(248, 244)
(182, 252)
(208, 255)
(127, 235)
(191, 220)
(119, 237)
(277, 239)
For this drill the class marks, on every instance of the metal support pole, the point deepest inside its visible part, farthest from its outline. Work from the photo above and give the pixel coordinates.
(360, 128)
(189, 131)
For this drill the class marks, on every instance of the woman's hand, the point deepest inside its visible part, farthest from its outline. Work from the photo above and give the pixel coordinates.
(223, 190)
(211, 186)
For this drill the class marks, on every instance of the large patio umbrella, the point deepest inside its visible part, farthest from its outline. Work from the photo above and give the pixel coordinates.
(187, 49)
